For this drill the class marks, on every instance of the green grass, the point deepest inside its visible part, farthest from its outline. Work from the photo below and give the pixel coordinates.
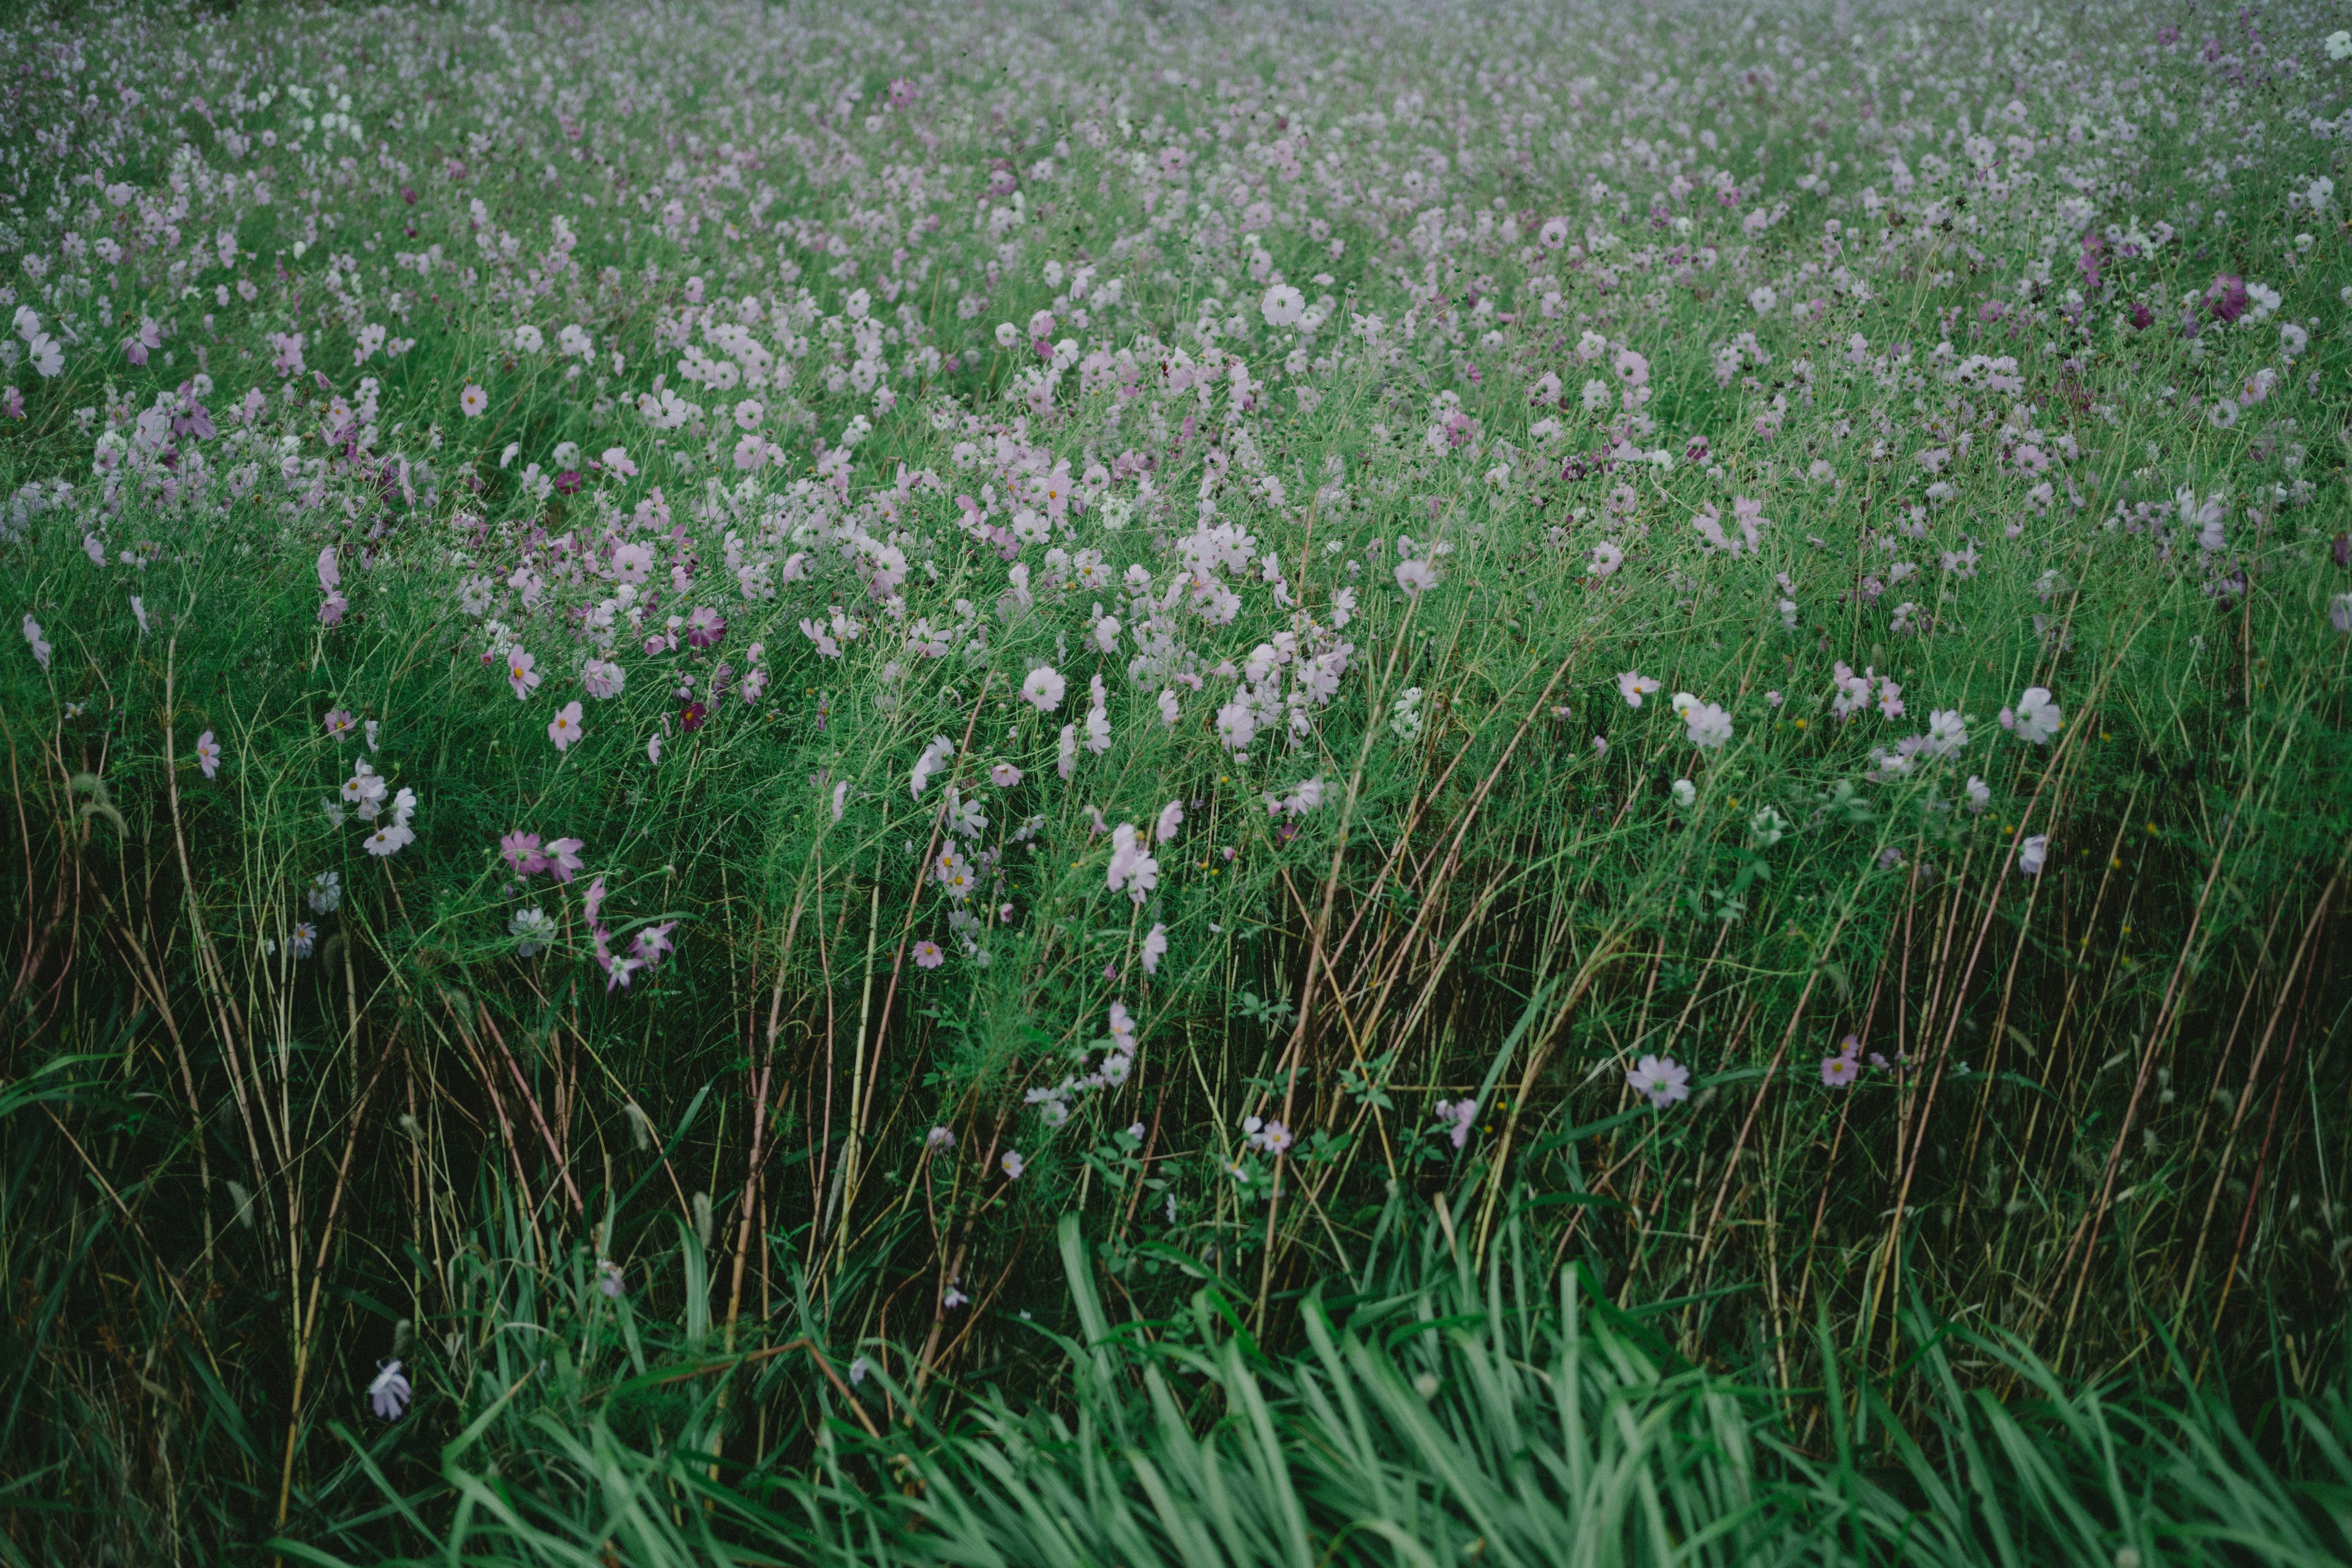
(2058, 1276)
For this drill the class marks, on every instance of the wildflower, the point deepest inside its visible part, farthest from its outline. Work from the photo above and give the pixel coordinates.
(326, 893)
(473, 402)
(304, 940)
(1632, 686)
(1014, 1164)
(208, 753)
(1980, 793)
(2339, 613)
(955, 1298)
(2227, 297)
(602, 677)
(389, 1395)
(522, 672)
(608, 1279)
(653, 755)
(1663, 1078)
(1685, 793)
(1004, 775)
(937, 755)
(1404, 717)
(564, 727)
(1454, 1119)
(339, 722)
(37, 643)
(1132, 867)
(520, 850)
(563, 858)
(1606, 558)
(704, 627)
(389, 838)
(1155, 948)
(938, 1138)
(1709, 727)
(1840, 1070)
(1947, 732)
(1283, 306)
(1269, 1137)
(2035, 719)
(1172, 816)
(1044, 687)
(533, 931)
(1065, 751)
(928, 955)
(1417, 577)
(2033, 852)
(1766, 828)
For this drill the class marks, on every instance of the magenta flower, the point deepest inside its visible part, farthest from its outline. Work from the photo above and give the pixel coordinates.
(704, 627)
(691, 717)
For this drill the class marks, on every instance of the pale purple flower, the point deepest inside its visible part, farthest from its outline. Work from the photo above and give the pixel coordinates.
(522, 672)
(39, 644)
(602, 677)
(1663, 1078)
(940, 1138)
(955, 1298)
(704, 627)
(1044, 687)
(1014, 1164)
(1455, 1117)
(208, 753)
(564, 727)
(2036, 718)
(389, 1395)
(2033, 854)
(608, 1279)
(1155, 948)
(928, 955)
(1417, 577)
(563, 858)
(1840, 1070)
(339, 722)
(520, 850)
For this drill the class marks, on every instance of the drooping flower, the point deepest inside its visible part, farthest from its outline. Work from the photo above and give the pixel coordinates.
(564, 727)
(2033, 854)
(37, 642)
(609, 1281)
(208, 753)
(1155, 948)
(1663, 1078)
(389, 1395)
(937, 755)
(1454, 1119)
(604, 678)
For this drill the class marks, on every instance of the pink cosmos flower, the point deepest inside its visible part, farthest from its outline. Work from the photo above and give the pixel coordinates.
(208, 753)
(563, 858)
(1663, 1078)
(928, 955)
(1155, 948)
(522, 672)
(1014, 1164)
(1632, 686)
(602, 677)
(1004, 775)
(704, 627)
(564, 727)
(520, 850)
(1044, 687)
(339, 722)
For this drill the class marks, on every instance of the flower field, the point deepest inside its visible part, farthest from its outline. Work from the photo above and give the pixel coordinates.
(1272, 783)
